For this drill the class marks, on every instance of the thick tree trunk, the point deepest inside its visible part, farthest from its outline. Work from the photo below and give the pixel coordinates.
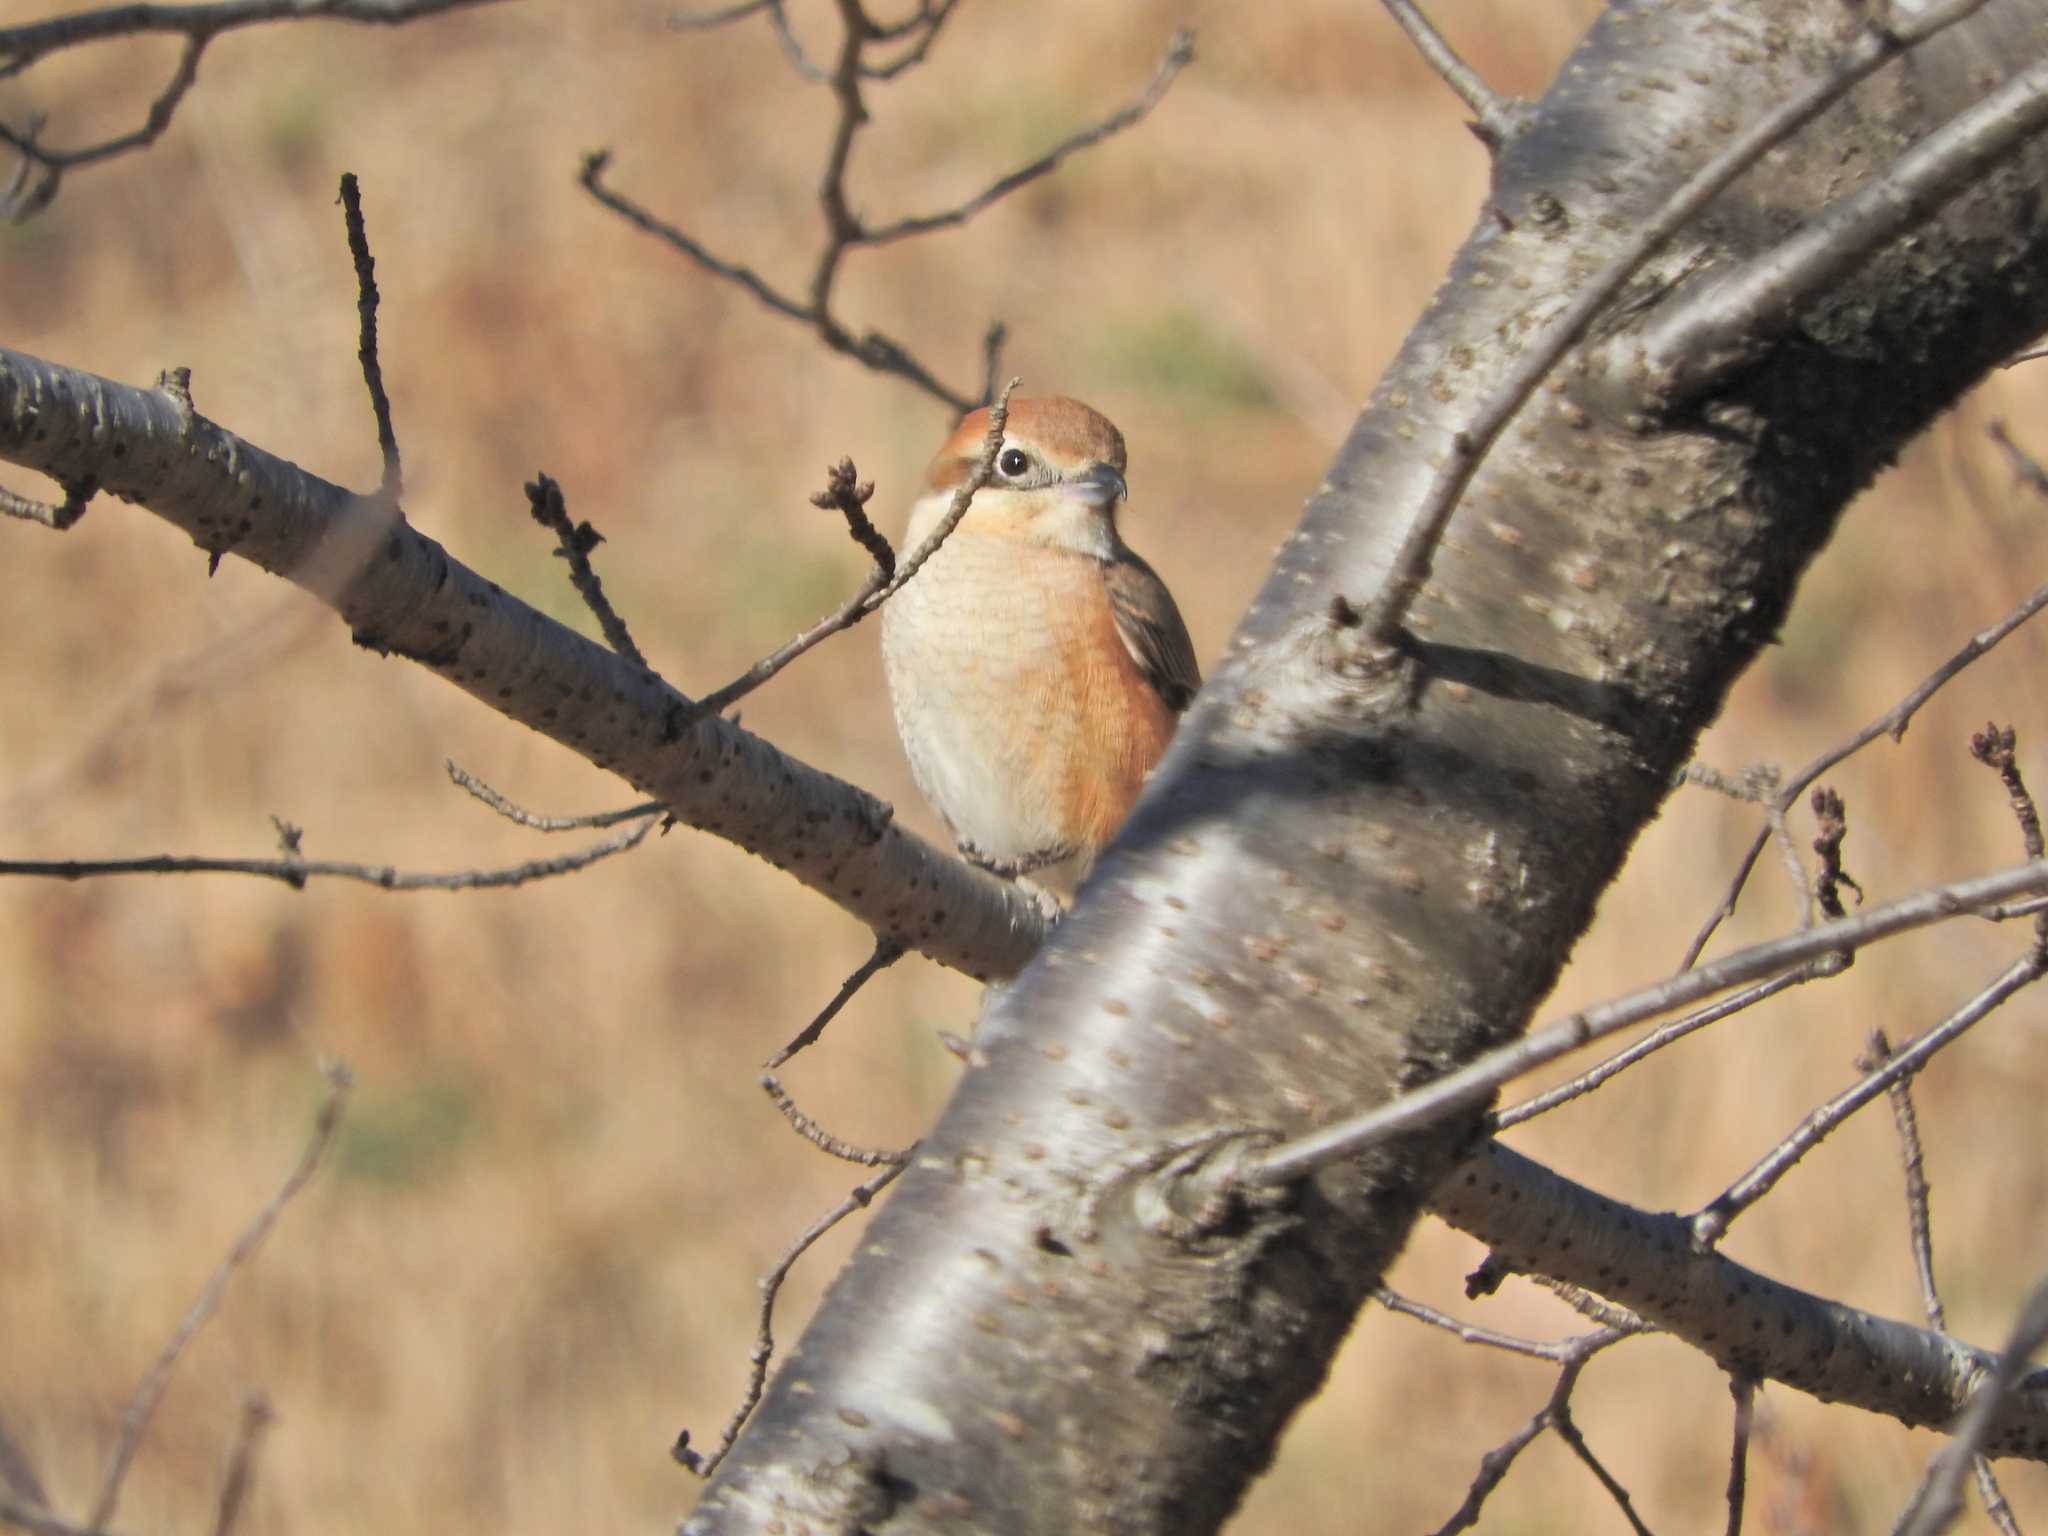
(1346, 878)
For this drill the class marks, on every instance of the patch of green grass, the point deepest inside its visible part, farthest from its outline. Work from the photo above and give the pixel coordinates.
(1176, 351)
(405, 1137)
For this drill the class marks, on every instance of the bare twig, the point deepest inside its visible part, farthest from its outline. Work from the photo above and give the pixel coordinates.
(1919, 1232)
(576, 541)
(884, 580)
(54, 515)
(1665, 1034)
(1554, 1415)
(1472, 1084)
(392, 485)
(1386, 615)
(983, 471)
(1833, 817)
(1713, 1219)
(1939, 1497)
(1892, 723)
(850, 495)
(538, 823)
(992, 359)
(234, 1488)
(1496, 119)
(845, 230)
(149, 1391)
(1758, 786)
(1180, 52)
(1743, 1390)
(200, 24)
(1470, 1333)
(1995, 749)
(824, 1140)
(295, 872)
(886, 953)
(764, 1339)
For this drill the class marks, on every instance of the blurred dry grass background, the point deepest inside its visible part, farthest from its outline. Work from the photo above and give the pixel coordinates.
(533, 1256)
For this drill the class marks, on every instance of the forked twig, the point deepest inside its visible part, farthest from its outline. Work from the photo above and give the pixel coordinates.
(845, 230)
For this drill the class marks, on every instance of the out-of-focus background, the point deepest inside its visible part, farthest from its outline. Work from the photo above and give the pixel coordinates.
(532, 1258)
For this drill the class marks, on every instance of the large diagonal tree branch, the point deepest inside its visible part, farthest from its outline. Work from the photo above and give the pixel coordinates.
(1348, 878)
(402, 594)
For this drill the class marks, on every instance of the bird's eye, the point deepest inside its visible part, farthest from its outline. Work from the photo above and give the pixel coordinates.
(1013, 462)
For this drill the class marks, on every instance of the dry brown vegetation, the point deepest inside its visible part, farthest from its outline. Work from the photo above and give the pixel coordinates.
(532, 1258)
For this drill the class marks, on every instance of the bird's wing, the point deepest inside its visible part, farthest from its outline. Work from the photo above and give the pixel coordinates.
(1151, 629)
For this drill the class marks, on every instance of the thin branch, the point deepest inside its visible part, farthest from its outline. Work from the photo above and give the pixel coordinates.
(234, 1489)
(591, 179)
(1386, 615)
(576, 541)
(295, 872)
(1713, 1219)
(1665, 1034)
(521, 816)
(1892, 723)
(983, 471)
(886, 953)
(1919, 1234)
(1997, 750)
(1471, 1333)
(1567, 1430)
(1180, 52)
(1555, 1414)
(824, 1140)
(1939, 1498)
(150, 1390)
(1496, 119)
(764, 1339)
(21, 47)
(1743, 1390)
(850, 495)
(392, 484)
(54, 515)
(884, 580)
(845, 231)
(1758, 785)
(1470, 1085)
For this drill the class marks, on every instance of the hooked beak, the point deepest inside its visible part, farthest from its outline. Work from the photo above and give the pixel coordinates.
(1100, 485)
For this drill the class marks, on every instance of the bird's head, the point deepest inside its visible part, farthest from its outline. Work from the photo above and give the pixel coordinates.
(1058, 476)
